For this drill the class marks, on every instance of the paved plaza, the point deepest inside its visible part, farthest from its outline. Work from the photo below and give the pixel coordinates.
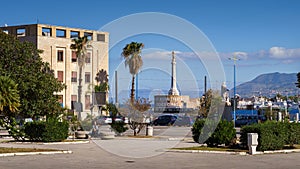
(125, 152)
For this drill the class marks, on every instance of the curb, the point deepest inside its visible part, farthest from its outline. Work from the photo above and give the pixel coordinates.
(52, 143)
(74, 142)
(207, 151)
(235, 153)
(281, 151)
(35, 153)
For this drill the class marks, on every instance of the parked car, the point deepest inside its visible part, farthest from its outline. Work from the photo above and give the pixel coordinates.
(184, 121)
(121, 119)
(165, 120)
(245, 120)
(103, 120)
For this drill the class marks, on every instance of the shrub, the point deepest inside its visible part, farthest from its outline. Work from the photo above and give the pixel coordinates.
(272, 135)
(223, 134)
(293, 136)
(196, 129)
(119, 126)
(47, 131)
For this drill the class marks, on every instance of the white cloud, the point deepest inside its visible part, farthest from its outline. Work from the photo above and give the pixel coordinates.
(167, 55)
(161, 55)
(283, 53)
(277, 53)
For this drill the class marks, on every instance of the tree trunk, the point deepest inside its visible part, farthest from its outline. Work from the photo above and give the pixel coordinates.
(80, 91)
(132, 89)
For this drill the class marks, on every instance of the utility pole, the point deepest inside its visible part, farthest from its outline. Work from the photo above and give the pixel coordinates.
(116, 88)
(234, 58)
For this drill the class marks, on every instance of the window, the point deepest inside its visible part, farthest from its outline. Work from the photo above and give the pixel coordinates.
(60, 55)
(89, 36)
(88, 57)
(46, 31)
(87, 77)
(101, 37)
(21, 32)
(74, 57)
(60, 33)
(87, 101)
(60, 76)
(74, 77)
(74, 34)
(73, 99)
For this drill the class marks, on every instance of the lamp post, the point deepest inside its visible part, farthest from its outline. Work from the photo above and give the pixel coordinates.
(234, 58)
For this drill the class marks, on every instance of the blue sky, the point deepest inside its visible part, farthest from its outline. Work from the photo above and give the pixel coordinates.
(264, 33)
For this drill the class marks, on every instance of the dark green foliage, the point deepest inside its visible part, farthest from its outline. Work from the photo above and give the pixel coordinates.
(293, 136)
(47, 131)
(119, 126)
(224, 132)
(102, 87)
(36, 81)
(272, 135)
(196, 129)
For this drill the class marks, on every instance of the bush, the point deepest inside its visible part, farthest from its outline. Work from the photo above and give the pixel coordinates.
(293, 134)
(196, 129)
(119, 126)
(272, 135)
(47, 131)
(223, 134)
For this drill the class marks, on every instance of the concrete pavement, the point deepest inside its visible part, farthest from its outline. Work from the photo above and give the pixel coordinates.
(124, 152)
(90, 155)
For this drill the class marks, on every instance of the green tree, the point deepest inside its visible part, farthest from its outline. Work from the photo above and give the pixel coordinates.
(102, 81)
(132, 55)
(80, 47)
(9, 96)
(36, 82)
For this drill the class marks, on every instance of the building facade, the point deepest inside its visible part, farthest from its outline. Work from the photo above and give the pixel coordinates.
(55, 42)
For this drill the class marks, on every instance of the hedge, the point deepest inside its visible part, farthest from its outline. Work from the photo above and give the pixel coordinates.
(272, 135)
(224, 133)
(47, 131)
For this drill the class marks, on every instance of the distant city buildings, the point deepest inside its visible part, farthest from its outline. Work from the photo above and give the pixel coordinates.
(55, 42)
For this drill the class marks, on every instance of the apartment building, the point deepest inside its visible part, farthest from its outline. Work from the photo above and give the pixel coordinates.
(55, 41)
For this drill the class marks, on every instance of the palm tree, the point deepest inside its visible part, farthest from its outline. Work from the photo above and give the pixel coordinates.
(80, 46)
(131, 53)
(9, 96)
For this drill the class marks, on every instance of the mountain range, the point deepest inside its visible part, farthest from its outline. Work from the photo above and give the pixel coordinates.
(263, 85)
(269, 85)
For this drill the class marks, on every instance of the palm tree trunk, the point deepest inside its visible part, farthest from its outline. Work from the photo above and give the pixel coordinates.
(132, 89)
(80, 91)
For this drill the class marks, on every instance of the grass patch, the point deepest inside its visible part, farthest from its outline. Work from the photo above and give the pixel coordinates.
(21, 150)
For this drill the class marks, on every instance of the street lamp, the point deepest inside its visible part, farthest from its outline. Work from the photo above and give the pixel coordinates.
(234, 58)
(270, 104)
